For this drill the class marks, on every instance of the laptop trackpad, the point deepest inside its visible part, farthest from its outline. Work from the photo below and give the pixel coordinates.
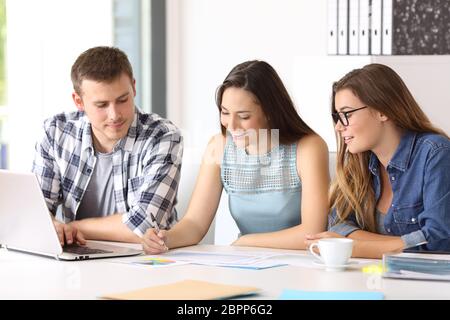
(77, 249)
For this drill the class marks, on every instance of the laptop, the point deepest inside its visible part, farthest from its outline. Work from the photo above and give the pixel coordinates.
(26, 224)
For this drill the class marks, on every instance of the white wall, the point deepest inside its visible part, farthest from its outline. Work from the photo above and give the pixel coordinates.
(207, 38)
(216, 35)
(44, 39)
(428, 78)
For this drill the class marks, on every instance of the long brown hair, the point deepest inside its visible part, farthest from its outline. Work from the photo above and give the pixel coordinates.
(260, 79)
(382, 89)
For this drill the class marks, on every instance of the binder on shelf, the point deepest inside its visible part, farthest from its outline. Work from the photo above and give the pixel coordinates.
(332, 27)
(364, 27)
(376, 27)
(343, 27)
(388, 27)
(386, 37)
(353, 22)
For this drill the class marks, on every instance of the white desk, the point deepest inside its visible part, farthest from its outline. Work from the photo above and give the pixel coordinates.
(24, 276)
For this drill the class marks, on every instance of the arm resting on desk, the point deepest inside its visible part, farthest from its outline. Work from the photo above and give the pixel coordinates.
(366, 244)
(291, 238)
(110, 228)
(373, 245)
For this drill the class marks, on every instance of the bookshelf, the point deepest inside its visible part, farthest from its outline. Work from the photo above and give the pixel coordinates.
(388, 27)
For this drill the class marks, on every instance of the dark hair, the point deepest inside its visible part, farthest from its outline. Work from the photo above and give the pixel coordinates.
(103, 64)
(260, 79)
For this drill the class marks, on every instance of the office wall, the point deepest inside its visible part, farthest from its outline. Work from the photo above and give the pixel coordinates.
(428, 78)
(207, 38)
(44, 39)
(213, 36)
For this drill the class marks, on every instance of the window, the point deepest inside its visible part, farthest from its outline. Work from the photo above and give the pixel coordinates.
(139, 30)
(2, 53)
(127, 37)
(3, 88)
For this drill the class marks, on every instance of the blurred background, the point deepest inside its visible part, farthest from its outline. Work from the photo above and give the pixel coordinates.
(181, 50)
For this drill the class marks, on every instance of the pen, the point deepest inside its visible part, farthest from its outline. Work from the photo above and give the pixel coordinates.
(157, 234)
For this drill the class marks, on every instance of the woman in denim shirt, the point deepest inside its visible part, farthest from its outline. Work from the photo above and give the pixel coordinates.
(392, 187)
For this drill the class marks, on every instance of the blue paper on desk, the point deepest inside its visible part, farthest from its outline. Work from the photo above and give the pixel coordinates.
(289, 294)
(256, 266)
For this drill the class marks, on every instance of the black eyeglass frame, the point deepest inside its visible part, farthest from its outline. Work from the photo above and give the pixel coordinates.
(337, 116)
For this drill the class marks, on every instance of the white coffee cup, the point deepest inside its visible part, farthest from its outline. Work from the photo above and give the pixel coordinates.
(334, 252)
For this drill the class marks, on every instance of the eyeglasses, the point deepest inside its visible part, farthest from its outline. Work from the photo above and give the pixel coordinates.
(343, 116)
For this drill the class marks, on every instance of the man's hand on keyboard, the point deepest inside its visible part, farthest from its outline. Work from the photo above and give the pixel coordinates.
(68, 234)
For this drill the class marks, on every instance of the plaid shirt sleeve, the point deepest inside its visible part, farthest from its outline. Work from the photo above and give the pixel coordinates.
(46, 169)
(156, 188)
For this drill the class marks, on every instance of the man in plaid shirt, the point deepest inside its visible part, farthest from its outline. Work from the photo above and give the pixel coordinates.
(113, 169)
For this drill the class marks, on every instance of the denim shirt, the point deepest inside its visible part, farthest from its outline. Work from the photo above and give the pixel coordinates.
(419, 173)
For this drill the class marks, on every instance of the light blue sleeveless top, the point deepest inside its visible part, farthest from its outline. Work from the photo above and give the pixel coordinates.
(264, 190)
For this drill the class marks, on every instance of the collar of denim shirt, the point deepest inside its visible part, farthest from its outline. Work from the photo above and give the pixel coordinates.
(401, 157)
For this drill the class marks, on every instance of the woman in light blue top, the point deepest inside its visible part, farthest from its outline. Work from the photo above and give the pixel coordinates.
(272, 165)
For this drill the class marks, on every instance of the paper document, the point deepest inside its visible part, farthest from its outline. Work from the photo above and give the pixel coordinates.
(249, 260)
(151, 261)
(255, 260)
(308, 261)
(185, 290)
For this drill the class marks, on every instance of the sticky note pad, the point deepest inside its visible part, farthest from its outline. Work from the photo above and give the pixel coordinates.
(185, 290)
(289, 294)
(155, 261)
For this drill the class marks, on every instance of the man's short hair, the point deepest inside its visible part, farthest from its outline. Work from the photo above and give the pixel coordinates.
(102, 64)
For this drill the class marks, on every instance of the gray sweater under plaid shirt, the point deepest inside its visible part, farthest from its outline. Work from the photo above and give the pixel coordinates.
(146, 168)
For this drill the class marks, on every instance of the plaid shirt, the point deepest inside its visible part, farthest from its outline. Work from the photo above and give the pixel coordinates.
(146, 168)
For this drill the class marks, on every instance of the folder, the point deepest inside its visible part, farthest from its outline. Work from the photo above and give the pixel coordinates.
(375, 25)
(353, 21)
(417, 265)
(332, 27)
(343, 27)
(185, 290)
(386, 37)
(364, 27)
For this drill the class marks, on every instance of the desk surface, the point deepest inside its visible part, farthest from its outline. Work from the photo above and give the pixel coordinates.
(25, 276)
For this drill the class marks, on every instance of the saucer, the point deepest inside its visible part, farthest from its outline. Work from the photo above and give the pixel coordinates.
(335, 267)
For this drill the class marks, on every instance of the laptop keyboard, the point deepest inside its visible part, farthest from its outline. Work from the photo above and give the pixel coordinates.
(76, 249)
